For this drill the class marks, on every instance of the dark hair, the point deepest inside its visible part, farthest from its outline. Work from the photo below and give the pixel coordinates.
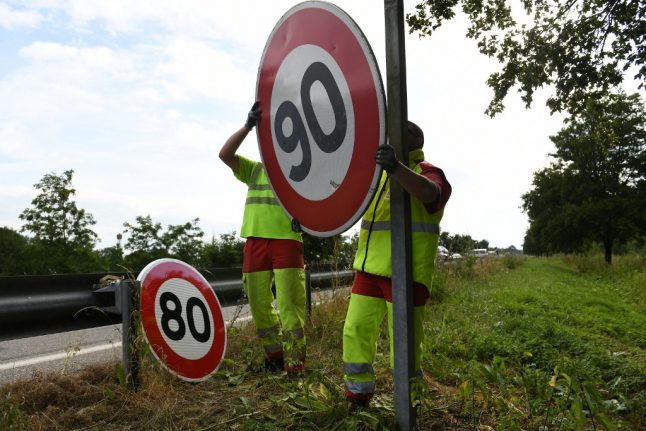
(416, 131)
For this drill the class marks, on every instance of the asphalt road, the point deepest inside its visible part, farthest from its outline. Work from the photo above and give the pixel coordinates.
(68, 352)
(71, 351)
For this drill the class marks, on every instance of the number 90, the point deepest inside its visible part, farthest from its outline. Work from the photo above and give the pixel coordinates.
(328, 143)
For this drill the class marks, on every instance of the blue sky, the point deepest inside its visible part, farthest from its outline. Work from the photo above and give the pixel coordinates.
(138, 97)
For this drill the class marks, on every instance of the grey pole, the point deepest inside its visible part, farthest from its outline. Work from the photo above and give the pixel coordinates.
(400, 218)
(308, 292)
(129, 304)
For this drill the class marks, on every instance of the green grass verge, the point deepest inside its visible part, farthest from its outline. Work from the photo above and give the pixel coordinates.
(511, 343)
(545, 346)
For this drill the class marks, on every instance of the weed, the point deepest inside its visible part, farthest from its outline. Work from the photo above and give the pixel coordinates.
(11, 417)
(534, 344)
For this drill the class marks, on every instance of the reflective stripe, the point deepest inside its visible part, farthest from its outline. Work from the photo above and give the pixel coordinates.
(259, 187)
(360, 387)
(266, 201)
(295, 333)
(351, 368)
(254, 174)
(416, 226)
(266, 332)
(273, 348)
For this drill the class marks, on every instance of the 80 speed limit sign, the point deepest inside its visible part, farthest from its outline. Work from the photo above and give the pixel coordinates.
(182, 319)
(323, 117)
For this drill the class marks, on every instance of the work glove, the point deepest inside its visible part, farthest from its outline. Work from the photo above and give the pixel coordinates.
(296, 226)
(385, 156)
(253, 116)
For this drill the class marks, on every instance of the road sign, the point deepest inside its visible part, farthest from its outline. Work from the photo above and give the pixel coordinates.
(323, 117)
(182, 319)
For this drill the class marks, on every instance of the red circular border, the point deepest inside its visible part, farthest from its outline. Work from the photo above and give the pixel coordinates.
(322, 28)
(159, 272)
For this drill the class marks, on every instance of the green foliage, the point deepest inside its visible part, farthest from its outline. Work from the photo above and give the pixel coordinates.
(335, 249)
(184, 241)
(462, 244)
(512, 261)
(544, 346)
(223, 252)
(592, 262)
(582, 48)
(541, 347)
(11, 417)
(13, 250)
(594, 191)
(62, 238)
(148, 241)
(54, 219)
(112, 258)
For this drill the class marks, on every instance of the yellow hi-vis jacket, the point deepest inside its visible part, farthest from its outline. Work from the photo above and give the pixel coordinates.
(263, 215)
(373, 253)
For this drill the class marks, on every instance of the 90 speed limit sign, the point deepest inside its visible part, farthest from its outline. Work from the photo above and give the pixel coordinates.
(323, 117)
(182, 319)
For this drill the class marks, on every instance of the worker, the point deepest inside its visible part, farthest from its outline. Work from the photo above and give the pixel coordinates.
(371, 294)
(273, 252)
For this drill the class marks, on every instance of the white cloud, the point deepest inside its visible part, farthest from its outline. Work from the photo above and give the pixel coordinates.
(138, 97)
(47, 51)
(196, 68)
(12, 18)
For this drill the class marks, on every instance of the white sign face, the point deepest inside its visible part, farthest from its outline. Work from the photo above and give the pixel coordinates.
(186, 322)
(322, 118)
(312, 122)
(182, 319)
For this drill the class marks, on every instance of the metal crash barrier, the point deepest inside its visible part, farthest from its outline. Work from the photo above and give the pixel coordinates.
(47, 304)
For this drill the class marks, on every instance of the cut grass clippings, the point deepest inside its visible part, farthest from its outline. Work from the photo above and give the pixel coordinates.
(511, 343)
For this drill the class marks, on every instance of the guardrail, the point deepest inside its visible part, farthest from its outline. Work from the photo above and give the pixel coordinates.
(47, 304)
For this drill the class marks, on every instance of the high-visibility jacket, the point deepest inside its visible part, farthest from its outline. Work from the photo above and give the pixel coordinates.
(373, 253)
(263, 215)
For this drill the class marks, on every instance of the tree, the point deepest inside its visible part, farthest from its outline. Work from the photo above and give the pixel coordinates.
(112, 258)
(596, 189)
(581, 47)
(54, 218)
(184, 241)
(462, 244)
(223, 253)
(144, 235)
(63, 240)
(13, 248)
(337, 249)
(147, 241)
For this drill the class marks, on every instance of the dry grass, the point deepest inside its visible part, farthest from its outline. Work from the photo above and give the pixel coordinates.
(235, 397)
(489, 364)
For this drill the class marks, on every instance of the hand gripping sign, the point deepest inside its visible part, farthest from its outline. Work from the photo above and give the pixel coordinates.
(323, 117)
(182, 319)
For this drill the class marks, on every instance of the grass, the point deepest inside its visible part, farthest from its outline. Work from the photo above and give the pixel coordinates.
(511, 343)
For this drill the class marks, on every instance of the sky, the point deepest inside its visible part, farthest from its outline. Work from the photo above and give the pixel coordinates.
(138, 97)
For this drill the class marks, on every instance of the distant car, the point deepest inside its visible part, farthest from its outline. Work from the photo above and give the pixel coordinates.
(442, 252)
(479, 252)
(455, 256)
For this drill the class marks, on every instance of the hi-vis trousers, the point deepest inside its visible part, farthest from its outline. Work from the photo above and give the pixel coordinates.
(281, 331)
(370, 302)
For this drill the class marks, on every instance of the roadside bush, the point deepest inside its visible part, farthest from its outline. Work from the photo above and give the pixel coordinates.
(11, 417)
(511, 261)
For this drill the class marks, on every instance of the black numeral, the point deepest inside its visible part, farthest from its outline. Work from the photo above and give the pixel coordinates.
(328, 143)
(175, 314)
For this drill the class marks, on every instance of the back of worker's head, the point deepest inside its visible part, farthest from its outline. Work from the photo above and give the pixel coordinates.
(415, 136)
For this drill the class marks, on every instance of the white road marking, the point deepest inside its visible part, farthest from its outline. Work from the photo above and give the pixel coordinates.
(57, 356)
(62, 355)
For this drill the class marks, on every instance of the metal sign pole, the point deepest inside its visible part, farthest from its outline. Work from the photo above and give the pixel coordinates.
(129, 304)
(400, 218)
